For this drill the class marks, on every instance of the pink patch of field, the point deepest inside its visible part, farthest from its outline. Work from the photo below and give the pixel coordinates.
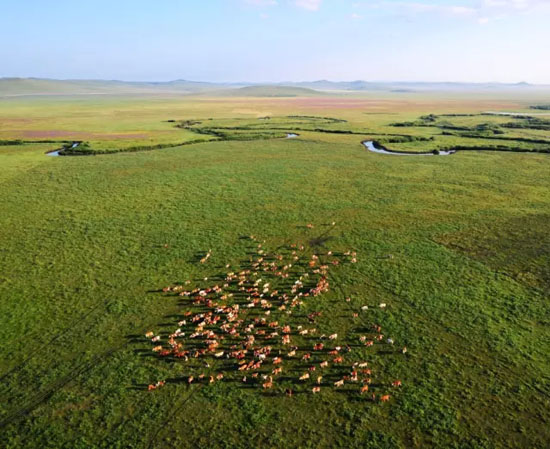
(336, 103)
(79, 135)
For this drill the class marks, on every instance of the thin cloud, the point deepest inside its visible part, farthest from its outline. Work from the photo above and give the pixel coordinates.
(261, 2)
(450, 10)
(510, 7)
(523, 5)
(310, 5)
(481, 11)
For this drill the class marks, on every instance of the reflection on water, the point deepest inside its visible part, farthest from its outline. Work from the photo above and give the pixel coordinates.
(56, 152)
(371, 147)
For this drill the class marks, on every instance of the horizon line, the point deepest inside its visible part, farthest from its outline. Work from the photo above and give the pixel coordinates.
(274, 82)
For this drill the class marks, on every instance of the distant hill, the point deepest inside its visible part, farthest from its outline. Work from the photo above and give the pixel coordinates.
(41, 86)
(38, 86)
(412, 86)
(270, 91)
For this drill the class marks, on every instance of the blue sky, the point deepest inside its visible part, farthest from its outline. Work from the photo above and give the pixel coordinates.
(277, 40)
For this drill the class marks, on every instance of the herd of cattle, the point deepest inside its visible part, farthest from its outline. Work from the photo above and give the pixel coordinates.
(265, 325)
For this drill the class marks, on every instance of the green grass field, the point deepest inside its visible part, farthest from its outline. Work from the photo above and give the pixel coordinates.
(456, 247)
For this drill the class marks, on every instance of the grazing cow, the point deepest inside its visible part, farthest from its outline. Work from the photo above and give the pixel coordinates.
(385, 398)
(268, 384)
(304, 376)
(338, 360)
(364, 389)
(205, 258)
(396, 383)
(324, 364)
(333, 337)
(319, 380)
(316, 390)
(256, 365)
(182, 355)
(339, 383)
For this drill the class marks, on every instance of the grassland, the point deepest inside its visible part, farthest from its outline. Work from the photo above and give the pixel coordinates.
(457, 247)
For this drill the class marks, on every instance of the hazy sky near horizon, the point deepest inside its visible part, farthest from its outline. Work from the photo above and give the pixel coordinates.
(277, 40)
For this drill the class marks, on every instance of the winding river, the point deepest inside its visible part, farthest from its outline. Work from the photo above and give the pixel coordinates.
(371, 146)
(56, 152)
(516, 114)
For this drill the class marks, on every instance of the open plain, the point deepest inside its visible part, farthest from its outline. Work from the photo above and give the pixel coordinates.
(452, 262)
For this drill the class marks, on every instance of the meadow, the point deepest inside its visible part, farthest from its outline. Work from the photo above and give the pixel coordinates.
(455, 248)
